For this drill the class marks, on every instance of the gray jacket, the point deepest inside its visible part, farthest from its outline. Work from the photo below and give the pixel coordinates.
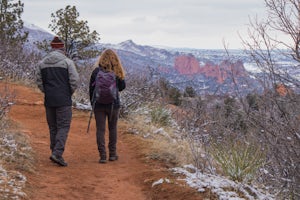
(57, 78)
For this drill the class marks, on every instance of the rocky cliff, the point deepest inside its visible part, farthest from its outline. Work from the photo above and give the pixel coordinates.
(188, 65)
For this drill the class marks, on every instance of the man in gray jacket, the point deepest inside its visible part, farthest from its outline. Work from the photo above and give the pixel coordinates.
(57, 78)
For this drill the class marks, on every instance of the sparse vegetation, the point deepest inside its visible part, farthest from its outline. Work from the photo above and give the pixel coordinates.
(16, 64)
(239, 161)
(278, 110)
(16, 155)
(16, 152)
(6, 100)
(16, 158)
(165, 144)
(160, 116)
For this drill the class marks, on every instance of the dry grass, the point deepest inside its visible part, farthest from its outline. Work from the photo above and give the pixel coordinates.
(164, 144)
(16, 158)
(176, 153)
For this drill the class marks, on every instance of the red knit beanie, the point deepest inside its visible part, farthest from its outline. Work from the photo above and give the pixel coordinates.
(57, 43)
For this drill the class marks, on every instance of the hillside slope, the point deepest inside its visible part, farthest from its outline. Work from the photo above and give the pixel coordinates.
(131, 177)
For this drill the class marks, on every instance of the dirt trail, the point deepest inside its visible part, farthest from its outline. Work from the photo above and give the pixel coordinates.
(126, 179)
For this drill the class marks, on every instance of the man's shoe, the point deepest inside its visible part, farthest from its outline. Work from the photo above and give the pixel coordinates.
(102, 161)
(58, 160)
(113, 158)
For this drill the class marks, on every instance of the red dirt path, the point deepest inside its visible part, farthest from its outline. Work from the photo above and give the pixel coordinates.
(129, 178)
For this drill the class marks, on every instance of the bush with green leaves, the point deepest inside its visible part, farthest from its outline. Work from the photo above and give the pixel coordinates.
(239, 160)
(160, 116)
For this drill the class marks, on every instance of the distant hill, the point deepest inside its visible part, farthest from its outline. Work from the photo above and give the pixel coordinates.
(208, 71)
(36, 33)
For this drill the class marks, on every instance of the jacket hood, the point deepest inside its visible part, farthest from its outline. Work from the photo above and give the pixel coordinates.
(54, 57)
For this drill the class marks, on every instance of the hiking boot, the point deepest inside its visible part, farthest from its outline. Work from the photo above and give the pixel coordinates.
(58, 160)
(102, 161)
(113, 158)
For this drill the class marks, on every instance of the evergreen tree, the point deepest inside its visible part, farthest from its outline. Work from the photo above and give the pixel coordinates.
(11, 24)
(164, 86)
(12, 38)
(189, 92)
(174, 96)
(74, 32)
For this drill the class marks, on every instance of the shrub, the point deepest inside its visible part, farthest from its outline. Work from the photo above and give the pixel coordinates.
(6, 99)
(238, 160)
(160, 116)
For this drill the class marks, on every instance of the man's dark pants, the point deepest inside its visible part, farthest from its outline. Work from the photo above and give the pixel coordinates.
(59, 121)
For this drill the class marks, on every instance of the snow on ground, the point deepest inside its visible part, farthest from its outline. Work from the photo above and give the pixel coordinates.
(81, 106)
(222, 187)
(252, 67)
(33, 27)
(12, 182)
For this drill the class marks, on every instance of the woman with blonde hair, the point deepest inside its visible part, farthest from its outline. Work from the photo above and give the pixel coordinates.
(107, 62)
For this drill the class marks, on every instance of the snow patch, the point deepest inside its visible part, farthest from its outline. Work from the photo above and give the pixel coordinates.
(81, 106)
(224, 188)
(251, 67)
(11, 182)
(160, 181)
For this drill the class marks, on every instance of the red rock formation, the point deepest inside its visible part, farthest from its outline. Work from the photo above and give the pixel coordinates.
(214, 71)
(187, 65)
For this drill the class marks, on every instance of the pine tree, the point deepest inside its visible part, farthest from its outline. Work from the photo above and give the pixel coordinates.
(174, 96)
(74, 32)
(189, 92)
(12, 37)
(11, 24)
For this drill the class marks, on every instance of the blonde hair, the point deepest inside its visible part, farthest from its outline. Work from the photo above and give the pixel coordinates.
(109, 61)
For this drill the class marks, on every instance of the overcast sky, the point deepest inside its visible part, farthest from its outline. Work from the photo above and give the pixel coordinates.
(202, 24)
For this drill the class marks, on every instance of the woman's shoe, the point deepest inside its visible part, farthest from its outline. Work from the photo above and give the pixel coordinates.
(113, 158)
(102, 160)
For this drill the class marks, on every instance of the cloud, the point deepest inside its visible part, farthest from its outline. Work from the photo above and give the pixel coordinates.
(189, 23)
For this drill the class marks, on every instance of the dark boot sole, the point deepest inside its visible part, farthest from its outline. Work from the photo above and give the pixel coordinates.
(57, 161)
(102, 161)
(113, 158)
